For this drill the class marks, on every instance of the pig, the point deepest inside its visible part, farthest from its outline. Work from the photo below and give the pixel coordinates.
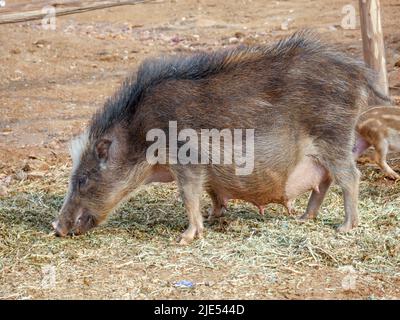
(379, 127)
(300, 97)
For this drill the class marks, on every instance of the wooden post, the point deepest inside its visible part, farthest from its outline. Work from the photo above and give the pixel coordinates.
(373, 45)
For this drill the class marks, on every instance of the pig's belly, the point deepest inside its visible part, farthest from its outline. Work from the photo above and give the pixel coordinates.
(306, 175)
(268, 186)
(260, 188)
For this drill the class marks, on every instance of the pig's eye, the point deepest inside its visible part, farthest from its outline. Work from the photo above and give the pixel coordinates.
(82, 182)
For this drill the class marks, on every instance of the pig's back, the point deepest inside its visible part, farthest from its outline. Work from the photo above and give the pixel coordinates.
(296, 84)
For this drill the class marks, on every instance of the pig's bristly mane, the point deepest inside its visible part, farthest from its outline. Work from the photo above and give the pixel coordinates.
(122, 106)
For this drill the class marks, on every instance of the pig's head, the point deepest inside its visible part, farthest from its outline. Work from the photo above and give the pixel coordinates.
(103, 174)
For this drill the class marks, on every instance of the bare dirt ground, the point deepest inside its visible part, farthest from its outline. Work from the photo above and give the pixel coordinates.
(50, 84)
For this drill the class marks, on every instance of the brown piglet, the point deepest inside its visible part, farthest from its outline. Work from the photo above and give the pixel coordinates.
(379, 127)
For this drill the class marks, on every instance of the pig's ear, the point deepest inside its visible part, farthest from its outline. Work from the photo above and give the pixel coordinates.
(102, 149)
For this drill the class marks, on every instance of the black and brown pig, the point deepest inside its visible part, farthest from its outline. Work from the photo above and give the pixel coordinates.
(301, 97)
(379, 127)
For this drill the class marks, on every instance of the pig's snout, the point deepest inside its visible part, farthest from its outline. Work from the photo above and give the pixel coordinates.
(59, 230)
(80, 225)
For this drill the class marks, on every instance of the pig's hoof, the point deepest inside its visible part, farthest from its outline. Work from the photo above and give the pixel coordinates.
(302, 219)
(344, 228)
(207, 214)
(347, 226)
(184, 241)
(213, 215)
(212, 219)
(305, 217)
(188, 236)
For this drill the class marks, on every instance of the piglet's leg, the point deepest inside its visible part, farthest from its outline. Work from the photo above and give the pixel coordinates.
(381, 150)
(315, 201)
(190, 185)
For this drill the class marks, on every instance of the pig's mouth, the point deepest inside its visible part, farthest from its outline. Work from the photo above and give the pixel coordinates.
(83, 223)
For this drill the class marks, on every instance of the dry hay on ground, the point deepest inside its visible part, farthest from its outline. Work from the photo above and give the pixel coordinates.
(134, 255)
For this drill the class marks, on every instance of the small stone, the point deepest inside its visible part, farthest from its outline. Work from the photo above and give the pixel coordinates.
(70, 28)
(109, 58)
(44, 166)
(176, 39)
(285, 24)
(41, 43)
(233, 40)
(239, 35)
(86, 281)
(26, 167)
(3, 191)
(5, 181)
(21, 175)
(15, 51)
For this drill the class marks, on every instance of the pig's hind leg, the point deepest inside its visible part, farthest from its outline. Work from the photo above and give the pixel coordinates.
(315, 201)
(190, 185)
(340, 164)
(217, 209)
(348, 177)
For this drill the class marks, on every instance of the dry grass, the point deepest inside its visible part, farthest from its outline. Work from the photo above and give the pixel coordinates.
(134, 255)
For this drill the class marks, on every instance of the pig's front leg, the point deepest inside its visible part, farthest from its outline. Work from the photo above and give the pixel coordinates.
(190, 185)
(381, 150)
